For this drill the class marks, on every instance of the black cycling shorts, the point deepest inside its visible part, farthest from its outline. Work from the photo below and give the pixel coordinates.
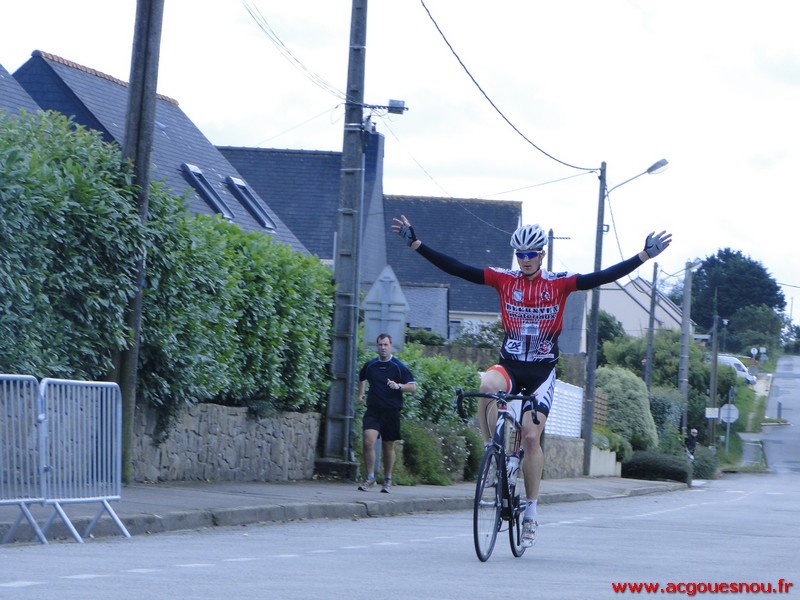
(529, 378)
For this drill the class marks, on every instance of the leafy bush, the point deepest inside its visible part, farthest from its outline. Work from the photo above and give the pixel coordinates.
(605, 439)
(483, 335)
(424, 337)
(437, 380)
(70, 234)
(628, 407)
(422, 453)
(670, 441)
(705, 464)
(666, 406)
(227, 319)
(655, 466)
(474, 452)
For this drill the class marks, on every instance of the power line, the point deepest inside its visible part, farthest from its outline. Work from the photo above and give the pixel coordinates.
(262, 22)
(494, 106)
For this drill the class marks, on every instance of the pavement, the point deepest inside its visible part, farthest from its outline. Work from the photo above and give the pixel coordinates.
(752, 447)
(176, 506)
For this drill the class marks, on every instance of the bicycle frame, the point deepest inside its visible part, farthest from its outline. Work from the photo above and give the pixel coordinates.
(496, 499)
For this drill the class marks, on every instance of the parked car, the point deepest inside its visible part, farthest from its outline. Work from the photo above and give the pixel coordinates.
(738, 366)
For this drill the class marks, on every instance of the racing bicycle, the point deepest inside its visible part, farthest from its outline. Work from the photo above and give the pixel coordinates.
(497, 500)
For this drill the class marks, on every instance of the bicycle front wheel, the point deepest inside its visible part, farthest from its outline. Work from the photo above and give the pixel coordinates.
(486, 509)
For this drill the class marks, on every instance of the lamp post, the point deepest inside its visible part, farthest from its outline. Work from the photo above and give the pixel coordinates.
(686, 320)
(594, 315)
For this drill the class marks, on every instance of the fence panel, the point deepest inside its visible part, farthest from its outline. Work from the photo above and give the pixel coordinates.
(21, 417)
(60, 443)
(82, 448)
(567, 411)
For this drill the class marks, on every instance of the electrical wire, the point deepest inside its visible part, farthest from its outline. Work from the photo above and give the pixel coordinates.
(264, 25)
(493, 105)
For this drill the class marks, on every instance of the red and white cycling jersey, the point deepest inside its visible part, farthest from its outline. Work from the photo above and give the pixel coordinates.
(532, 312)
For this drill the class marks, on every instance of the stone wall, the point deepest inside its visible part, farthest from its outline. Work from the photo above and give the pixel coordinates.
(212, 442)
(222, 443)
(563, 457)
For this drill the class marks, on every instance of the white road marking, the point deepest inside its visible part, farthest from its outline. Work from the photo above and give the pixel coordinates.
(21, 584)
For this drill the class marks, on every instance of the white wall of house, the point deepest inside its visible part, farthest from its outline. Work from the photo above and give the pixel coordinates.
(630, 305)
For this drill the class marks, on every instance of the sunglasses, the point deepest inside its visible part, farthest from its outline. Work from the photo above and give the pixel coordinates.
(532, 254)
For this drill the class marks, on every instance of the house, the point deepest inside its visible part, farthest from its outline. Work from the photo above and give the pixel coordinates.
(182, 156)
(629, 303)
(13, 97)
(303, 189)
(474, 231)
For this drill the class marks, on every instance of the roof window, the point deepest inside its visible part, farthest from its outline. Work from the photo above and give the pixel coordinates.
(203, 187)
(250, 202)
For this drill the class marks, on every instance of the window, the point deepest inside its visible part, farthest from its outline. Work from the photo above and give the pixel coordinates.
(203, 187)
(253, 206)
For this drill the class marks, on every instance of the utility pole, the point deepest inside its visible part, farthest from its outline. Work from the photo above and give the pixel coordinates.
(648, 361)
(594, 317)
(712, 422)
(683, 365)
(338, 453)
(137, 147)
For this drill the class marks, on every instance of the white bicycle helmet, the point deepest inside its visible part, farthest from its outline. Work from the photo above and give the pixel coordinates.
(528, 237)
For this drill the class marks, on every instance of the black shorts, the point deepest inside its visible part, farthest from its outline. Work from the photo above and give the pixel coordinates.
(530, 378)
(386, 421)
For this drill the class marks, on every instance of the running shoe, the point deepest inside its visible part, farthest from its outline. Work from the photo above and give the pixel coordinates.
(387, 483)
(529, 527)
(367, 485)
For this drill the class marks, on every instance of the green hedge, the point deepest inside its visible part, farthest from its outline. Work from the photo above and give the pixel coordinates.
(228, 316)
(69, 234)
(655, 466)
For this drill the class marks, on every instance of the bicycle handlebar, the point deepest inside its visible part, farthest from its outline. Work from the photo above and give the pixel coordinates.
(499, 396)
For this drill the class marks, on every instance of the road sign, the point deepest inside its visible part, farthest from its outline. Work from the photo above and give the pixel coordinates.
(728, 413)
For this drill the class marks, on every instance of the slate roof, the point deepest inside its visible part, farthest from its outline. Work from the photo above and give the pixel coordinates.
(99, 101)
(302, 187)
(13, 97)
(475, 232)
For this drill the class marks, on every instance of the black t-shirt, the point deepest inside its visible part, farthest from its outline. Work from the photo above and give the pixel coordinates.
(377, 372)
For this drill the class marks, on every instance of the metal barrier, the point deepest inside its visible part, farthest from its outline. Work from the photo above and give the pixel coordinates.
(20, 460)
(60, 444)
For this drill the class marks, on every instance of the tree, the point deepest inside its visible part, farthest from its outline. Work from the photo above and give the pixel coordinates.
(608, 329)
(754, 326)
(728, 282)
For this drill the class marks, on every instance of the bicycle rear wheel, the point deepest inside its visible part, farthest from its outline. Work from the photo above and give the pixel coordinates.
(486, 509)
(515, 529)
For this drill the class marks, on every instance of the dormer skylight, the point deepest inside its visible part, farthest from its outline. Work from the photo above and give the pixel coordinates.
(249, 201)
(207, 193)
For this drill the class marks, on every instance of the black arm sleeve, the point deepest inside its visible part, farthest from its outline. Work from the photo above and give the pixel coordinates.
(612, 273)
(451, 266)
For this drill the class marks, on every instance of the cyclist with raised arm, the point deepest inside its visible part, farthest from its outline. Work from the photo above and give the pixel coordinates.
(532, 302)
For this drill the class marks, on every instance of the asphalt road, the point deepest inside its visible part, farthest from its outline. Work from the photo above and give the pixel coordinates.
(736, 534)
(740, 528)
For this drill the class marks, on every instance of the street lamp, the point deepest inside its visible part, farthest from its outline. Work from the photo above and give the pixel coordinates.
(686, 319)
(594, 315)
